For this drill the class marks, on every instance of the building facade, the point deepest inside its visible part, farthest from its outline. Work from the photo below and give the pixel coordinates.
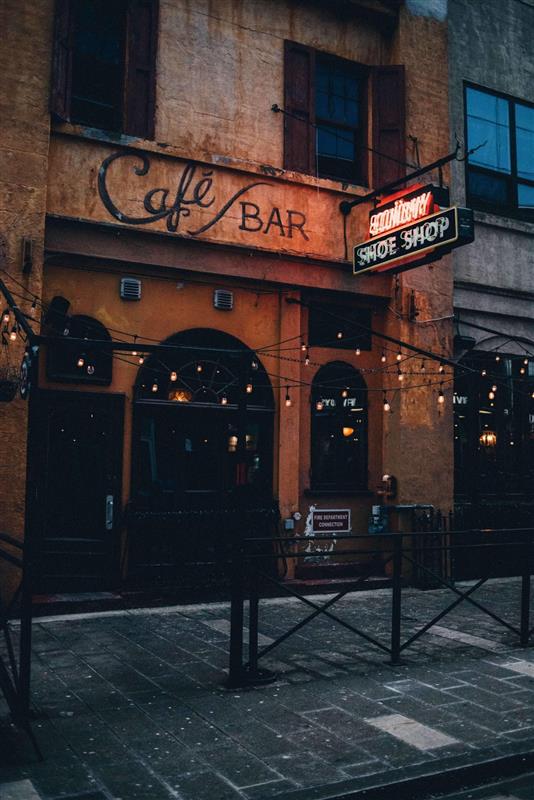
(492, 108)
(175, 180)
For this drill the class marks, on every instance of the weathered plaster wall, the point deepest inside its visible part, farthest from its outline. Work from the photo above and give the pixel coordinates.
(221, 69)
(24, 135)
(491, 45)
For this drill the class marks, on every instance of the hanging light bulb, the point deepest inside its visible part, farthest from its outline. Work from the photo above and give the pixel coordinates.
(155, 386)
(307, 358)
(5, 316)
(400, 376)
(494, 387)
(497, 358)
(532, 395)
(387, 406)
(345, 392)
(141, 359)
(224, 400)
(13, 334)
(398, 356)
(339, 334)
(249, 388)
(90, 369)
(358, 351)
(491, 395)
(441, 396)
(254, 364)
(441, 368)
(319, 405)
(483, 372)
(174, 376)
(33, 308)
(303, 346)
(81, 361)
(199, 367)
(522, 370)
(383, 357)
(288, 398)
(525, 362)
(423, 368)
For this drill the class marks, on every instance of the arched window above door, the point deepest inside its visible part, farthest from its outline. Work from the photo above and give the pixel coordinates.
(72, 362)
(338, 429)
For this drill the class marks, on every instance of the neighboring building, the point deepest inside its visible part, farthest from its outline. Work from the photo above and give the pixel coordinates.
(491, 66)
(168, 203)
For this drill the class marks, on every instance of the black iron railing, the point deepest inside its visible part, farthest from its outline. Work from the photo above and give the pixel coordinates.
(406, 554)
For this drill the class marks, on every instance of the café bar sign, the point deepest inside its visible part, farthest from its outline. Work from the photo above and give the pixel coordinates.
(412, 228)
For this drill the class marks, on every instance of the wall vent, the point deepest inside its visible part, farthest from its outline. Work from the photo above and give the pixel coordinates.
(130, 289)
(223, 299)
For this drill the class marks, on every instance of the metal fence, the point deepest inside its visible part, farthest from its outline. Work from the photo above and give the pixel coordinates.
(408, 554)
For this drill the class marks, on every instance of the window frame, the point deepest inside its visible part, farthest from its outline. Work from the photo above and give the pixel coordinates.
(512, 179)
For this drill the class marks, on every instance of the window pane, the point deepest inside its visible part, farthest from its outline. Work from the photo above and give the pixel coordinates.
(524, 122)
(488, 125)
(338, 91)
(525, 196)
(492, 189)
(335, 142)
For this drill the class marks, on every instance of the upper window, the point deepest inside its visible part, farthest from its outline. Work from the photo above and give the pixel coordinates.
(326, 119)
(500, 173)
(104, 64)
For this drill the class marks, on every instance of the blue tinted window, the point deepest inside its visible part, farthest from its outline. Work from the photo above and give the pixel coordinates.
(524, 131)
(488, 125)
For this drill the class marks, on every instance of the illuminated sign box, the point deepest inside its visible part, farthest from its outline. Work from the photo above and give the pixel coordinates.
(425, 240)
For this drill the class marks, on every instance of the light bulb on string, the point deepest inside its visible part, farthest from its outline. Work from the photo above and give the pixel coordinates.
(345, 392)
(66, 331)
(155, 387)
(254, 364)
(441, 396)
(497, 358)
(173, 376)
(522, 370)
(81, 361)
(90, 369)
(307, 358)
(491, 395)
(339, 334)
(319, 405)
(399, 356)
(441, 368)
(249, 388)
(525, 362)
(5, 317)
(134, 352)
(383, 357)
(303, 346)
(13, 334)
(224, 400)
(483, 373)
(33, 308)
(357, 351)
(199, 368)
(387, 406)
(494, 387)
(423, 368)
(400, 376)
(288, 398)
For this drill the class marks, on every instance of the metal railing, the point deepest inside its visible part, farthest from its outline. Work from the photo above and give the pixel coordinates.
(15, 663)
(406, 554)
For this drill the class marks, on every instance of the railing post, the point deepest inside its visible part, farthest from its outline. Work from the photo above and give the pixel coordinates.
(253, 622)
(396, 599)
(525, 592)
(235, 674)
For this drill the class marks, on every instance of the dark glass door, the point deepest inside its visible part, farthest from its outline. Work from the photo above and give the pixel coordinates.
(78, 441)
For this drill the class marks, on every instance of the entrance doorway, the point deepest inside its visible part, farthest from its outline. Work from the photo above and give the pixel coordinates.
(203, 447)
(77, 441)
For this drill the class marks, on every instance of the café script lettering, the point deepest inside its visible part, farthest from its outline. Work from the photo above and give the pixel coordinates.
(196, 190)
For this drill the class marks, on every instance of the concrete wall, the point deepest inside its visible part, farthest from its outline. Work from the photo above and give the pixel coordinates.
(491, 45)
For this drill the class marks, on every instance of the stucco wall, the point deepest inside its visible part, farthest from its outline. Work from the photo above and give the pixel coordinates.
(491, 45)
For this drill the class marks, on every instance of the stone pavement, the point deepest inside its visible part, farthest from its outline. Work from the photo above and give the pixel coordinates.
(132, 704)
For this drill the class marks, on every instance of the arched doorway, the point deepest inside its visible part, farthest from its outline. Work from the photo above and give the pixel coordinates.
(202, 443)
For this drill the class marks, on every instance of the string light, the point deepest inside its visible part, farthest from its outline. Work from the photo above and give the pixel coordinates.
(81, 361)
(345, 392)
(307, 357)
(441, 368)
(13, 334)
(249, 388)
(339, 334)
(387, 406)
(522, 370)
(33, 308)
(5, 317)
(319, 405)
(254, 364)
(497, 358)
(398, 356)
(134, 352)
(525, 362)
(141, 359)
(383, 357)
(155, 386)
(400, 376)
(358, 351)
(174, 376)
(90, 369)
(199, 367)
(491, 395)
(441, 396)
(483, 372)
(423, 365)
(224, 400)
(288, 398)
(303, 346)
(66, 331)
(494, 387)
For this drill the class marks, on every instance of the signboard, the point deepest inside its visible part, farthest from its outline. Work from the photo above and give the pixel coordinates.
(406, 206)
(330, 520)
(415, 244)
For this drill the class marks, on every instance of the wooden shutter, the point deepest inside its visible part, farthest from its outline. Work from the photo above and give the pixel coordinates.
(140, 72)
(299, 102)
(62, 60)
(388, 124)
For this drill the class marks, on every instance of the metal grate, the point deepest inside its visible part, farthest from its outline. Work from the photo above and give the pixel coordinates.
(223, 299)
(130, 289)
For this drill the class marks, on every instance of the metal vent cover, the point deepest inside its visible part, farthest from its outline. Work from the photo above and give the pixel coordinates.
(223, 299)
(130, 289)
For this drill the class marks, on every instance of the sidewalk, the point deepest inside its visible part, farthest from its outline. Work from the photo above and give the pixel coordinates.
(132, 704)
